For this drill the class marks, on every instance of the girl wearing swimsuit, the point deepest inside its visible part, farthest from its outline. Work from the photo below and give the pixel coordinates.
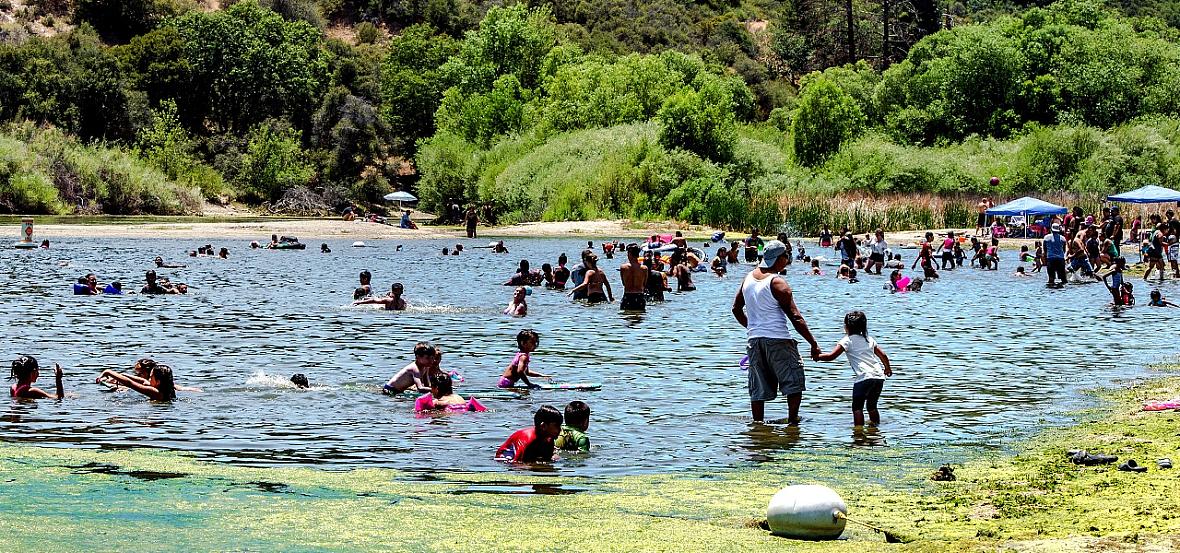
(25, 371)
(442, 397)
(518, 369)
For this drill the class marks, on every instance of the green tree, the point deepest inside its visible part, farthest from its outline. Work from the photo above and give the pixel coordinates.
(512, 40)
(826, 117)
(412, 84)
(701, 121)
(273, 162)
(248, 64)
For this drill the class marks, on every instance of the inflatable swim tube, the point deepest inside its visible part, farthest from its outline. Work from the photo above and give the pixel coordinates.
(289, 246)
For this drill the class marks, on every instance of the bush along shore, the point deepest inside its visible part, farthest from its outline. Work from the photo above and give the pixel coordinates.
(1034, 498)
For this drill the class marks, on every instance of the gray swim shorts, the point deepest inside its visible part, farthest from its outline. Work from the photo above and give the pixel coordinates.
(775, 366)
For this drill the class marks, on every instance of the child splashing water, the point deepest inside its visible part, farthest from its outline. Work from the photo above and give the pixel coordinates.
(442, 397)
(518, 369)
(870, 366)
(25, 371)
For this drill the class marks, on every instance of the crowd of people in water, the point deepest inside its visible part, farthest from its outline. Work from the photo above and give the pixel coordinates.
(1077, 247)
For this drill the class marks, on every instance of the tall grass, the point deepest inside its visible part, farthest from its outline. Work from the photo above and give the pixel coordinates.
(42, 170)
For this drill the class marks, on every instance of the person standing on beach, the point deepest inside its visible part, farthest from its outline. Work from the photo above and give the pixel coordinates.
(1055, 255)
(634, 275)
(472, 221)
(764, 304)
(981, 222)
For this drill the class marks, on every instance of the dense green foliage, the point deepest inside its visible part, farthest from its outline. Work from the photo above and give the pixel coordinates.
(639, 108)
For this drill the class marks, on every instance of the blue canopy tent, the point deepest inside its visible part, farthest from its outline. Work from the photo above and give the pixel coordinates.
(1150, 194)
(1027, 206)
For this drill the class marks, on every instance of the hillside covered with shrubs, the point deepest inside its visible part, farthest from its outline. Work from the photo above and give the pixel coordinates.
(723, 113)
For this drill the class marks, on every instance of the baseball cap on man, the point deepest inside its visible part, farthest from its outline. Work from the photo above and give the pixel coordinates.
(1056, 227)
(771, 252)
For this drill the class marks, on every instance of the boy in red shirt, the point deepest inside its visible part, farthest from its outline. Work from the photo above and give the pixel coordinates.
(533, 445)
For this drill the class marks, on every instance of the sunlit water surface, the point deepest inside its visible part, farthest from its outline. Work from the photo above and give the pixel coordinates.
(981, 358)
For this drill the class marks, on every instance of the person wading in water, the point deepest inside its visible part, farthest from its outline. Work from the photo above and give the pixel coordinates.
(764, 304)
(634, 274)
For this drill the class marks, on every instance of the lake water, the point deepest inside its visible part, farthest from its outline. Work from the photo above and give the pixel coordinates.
(981, 358)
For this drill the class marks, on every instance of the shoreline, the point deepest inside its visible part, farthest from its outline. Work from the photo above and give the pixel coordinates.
(1032, 498)
(309, 229)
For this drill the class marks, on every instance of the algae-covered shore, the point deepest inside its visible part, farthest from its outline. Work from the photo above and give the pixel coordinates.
(74, 499)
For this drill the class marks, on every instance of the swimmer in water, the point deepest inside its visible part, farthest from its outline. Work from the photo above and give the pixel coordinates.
(442, 397)
(25, 371)
(365, 289)
(634, 275)
(561, 274)
(499, 247)
(224, 253)
(518, 307)
(518, 370)
(1020, 272)
(141, 372)
(300, 381)
(594, 280)
(161, 265)
(815, 270)
(415, 376)
(392, 302)
(1157, 300)
(159, 386)
(325, 249)
(535, 444)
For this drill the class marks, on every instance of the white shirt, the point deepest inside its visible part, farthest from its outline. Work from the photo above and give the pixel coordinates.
(862, 357)
(765, 318)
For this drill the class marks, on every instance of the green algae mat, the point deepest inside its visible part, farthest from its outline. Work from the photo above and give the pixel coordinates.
(132, 500)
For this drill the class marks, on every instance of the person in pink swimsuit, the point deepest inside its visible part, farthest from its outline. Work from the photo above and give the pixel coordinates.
(25, 371)
(518, 369)
(442, 397)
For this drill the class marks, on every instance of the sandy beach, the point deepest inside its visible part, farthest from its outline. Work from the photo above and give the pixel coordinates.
(335, 229)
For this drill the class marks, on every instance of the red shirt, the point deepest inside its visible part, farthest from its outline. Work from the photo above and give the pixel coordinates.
(524, 447)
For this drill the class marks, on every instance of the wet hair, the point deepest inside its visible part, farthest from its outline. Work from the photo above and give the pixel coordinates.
(1020, 270)
(224, 252)
(149, 275)
(167, 386)
(897, 256)
(815, 263)
(144, 364)
(562, 259)
(23, 367)
(300, 380)
(366, 276)
(446, 251)
(443, 382)
(117, 285)
(1155, 294)
(422, 349)
(359, 293)
(396, 286)
(633, 249)
(526, 335)
(577, 413)
(546, 268)
(855, 322)
(678, 234)
(524, 266)
(547, 414)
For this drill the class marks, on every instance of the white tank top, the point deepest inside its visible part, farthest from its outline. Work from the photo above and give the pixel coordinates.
(765, 318)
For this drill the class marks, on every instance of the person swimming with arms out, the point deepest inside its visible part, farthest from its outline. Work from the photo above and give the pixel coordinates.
(870, 366)
(141, 372)
(26, 371)
(518, 307)
(535, 444)
(392, 302)
(159, 387)
(160, 264)
(573, 433)
(442, 397)
(518, 370)
(415, 376)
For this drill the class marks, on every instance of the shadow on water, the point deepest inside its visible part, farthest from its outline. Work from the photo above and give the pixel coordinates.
(508, 488)
(107, 468)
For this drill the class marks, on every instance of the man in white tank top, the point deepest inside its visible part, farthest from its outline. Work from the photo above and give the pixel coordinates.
(764, 305)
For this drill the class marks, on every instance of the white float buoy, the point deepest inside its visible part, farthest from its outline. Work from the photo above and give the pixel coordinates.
(806, 512)
(26, 235)
(358, 244)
